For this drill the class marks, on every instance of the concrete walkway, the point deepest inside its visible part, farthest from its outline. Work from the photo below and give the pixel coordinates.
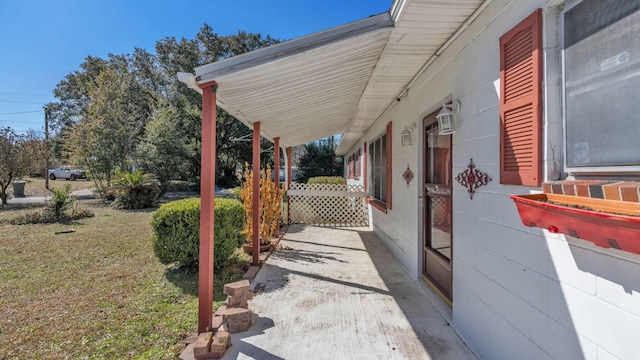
(340, 294)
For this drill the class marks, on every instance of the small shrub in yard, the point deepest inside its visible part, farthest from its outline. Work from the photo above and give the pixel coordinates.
(237, 191)
(176, 227)
(135, 190)
(57, 210)
(333, 180)
(61, 201)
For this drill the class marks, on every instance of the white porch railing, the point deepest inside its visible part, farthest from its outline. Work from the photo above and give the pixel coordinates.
(328, 204)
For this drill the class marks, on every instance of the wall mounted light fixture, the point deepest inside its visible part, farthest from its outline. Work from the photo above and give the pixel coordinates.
(406, 136)
(446, 117)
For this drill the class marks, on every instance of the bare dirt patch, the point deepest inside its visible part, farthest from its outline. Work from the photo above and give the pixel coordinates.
(36, 186)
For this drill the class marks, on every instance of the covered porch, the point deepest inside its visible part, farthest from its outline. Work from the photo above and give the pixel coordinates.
(339, 81)
(338, 293)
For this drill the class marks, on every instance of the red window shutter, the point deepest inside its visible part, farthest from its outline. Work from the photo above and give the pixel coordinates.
(521, 103)
(389, 164)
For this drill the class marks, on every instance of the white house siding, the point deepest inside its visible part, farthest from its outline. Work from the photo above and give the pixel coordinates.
(399, 226)
(518, 292)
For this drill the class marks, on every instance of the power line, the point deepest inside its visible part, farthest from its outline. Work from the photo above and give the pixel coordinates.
(21, 112)
(24, 94)
(37, 132)
(21, 121)
(22, 102)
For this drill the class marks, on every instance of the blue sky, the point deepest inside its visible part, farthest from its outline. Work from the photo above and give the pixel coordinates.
(42, 41)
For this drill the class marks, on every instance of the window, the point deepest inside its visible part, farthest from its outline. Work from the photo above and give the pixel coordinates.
(521, 103)
(380, 154)
(353, 165)
(601, 73)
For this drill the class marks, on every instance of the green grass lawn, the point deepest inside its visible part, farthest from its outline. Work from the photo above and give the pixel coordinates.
(96, 293)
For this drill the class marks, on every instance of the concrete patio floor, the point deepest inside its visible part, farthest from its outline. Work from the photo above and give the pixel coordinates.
(340, 294)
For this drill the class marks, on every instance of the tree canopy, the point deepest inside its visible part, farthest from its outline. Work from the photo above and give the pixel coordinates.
(130, 111)
(319, 159)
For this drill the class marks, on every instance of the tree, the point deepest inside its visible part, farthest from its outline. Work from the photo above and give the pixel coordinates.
(185, 54)
(18, 153)
(320, 159)
(35, 151)
(103, 140)
(162, 152)
(123, 94)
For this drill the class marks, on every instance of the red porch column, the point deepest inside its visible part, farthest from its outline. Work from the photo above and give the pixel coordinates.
(276, 169)
(256, 193)
(207, 197)
(288, 182)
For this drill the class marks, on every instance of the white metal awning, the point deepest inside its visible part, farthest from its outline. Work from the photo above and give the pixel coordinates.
(337, 81)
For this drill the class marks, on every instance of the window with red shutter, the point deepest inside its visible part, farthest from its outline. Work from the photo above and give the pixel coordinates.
(389, 165)
(381, 165)
(353, 165)
(521, 103)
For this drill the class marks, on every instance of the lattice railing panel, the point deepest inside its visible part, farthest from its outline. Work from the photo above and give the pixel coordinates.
(328, 204)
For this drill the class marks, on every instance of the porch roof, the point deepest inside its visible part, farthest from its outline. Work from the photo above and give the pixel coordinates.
(338, 81)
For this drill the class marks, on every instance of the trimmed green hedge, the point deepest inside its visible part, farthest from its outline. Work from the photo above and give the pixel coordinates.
(337, 180)
(176, 227)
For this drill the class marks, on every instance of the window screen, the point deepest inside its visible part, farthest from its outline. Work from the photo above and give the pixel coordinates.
(377, 149)
(602, 83)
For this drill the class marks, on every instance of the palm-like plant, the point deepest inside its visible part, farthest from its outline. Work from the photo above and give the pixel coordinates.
(135, 190)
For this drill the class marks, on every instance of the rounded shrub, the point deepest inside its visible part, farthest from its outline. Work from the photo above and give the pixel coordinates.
(176, 227)
(333, 180)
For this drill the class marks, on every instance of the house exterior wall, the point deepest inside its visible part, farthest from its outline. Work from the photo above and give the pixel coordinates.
(351, 180)
(518, 292)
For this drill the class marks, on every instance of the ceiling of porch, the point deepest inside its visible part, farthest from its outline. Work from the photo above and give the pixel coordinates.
(338, 81)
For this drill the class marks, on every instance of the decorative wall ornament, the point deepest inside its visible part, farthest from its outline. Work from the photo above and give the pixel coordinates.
(472, 178)
(407, 175)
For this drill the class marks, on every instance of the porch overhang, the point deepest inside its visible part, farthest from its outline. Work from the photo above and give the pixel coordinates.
(338, 81)
(304, 89)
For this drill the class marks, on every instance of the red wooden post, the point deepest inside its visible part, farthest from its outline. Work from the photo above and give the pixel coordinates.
(256, 193)
(276, 165)
(288, 183)
(207, 197)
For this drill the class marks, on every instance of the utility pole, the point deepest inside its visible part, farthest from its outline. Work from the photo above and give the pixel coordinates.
(46, 144)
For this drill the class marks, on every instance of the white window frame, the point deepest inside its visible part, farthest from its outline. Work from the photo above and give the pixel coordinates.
(583, 170)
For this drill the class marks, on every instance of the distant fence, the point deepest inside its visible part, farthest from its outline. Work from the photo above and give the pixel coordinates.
(328, 204)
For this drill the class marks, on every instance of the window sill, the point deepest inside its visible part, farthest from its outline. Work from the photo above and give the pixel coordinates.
(596, 189)
(377, 204)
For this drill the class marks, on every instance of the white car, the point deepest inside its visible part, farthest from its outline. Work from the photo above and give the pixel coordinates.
(66, 173)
